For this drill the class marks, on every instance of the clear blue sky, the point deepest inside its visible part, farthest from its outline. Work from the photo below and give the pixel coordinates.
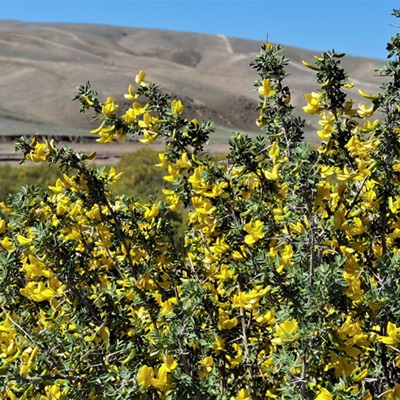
(356, 27)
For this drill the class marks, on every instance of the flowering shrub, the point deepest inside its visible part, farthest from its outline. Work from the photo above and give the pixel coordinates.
(286, 285)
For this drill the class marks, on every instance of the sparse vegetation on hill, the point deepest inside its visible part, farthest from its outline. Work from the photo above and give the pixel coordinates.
(43, 63)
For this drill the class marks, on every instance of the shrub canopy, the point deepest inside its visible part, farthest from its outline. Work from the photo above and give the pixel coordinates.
(286, 285)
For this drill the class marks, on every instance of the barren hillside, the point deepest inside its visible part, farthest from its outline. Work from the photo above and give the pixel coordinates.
(42, 64)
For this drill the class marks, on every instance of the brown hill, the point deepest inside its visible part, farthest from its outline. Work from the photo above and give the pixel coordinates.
(42, 64)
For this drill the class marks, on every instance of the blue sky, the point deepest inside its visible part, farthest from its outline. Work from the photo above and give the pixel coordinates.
(356, 27)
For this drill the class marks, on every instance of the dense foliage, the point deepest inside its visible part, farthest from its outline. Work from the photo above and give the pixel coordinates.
(286, 285)
(140, 179)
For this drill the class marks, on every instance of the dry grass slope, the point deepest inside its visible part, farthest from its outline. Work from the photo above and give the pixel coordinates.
(42, 64)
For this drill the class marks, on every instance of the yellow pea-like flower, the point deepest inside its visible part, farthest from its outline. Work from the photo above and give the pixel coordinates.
(145, 376)
(324, 394)
(266, 88)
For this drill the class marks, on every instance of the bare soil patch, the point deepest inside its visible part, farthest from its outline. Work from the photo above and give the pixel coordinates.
(106, 153)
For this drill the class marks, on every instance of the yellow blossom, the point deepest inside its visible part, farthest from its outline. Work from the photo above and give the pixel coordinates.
(274, 152)
(184, 162)
(40, 152)
(160, 381)
(106, 133)
(152, 212)
(27, 358)
(285, 332)
(218, 346)
(170, 363)
(131, 94)
(393, 335)
(365, 112)
(139, 79)
(242, 395)
(324, 394)
(24, 241)
(148, 137)
(313, 106)
(265, 89)
(173, 199)
(7, 244)
(3, 225)
(88, 101)
(272, 175)
(394, 394)
(177, 107)
(220, 246)
(224, 322)
(207, 366)
(37, 291)
(109, 107)
(255, 230)
(145, 376)
(34, 267)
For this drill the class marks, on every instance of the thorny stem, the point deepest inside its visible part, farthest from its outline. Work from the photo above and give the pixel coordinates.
(245, 343)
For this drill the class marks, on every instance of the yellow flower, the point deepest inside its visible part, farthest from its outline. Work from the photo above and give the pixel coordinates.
(132, 113)
(313, 103)
(167, 306)
(139, 79)
(104, 334)
(109, 107)
(106, 133)
(148, 137)
(218, 346)
(324, 394)
(359, 376)
(274, 152)
(267, 318)
(27, 358)
(236, 359)
(113, 176)
(24, 241)
(37, 291)
(255, 232)
(149, 122)
(88, 101)
(34, 267)
(325, 133)
(184, 162)
(285, 332)
(366, 95)
(40, 153)
(152, 212)
(145, 376)
(364, 112)
(207, 366)
(224, 322)
(170, 363)
(220, 246)
(272, 175)
(242, 395)
(3, 225)
(131, 94)
(394, 393)
(130, 116)
(173, 199)
(161, 379)
(393, 335)
(177, 107)
(224, 273)
(7, 244)
(54, 393)
(265, 89)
